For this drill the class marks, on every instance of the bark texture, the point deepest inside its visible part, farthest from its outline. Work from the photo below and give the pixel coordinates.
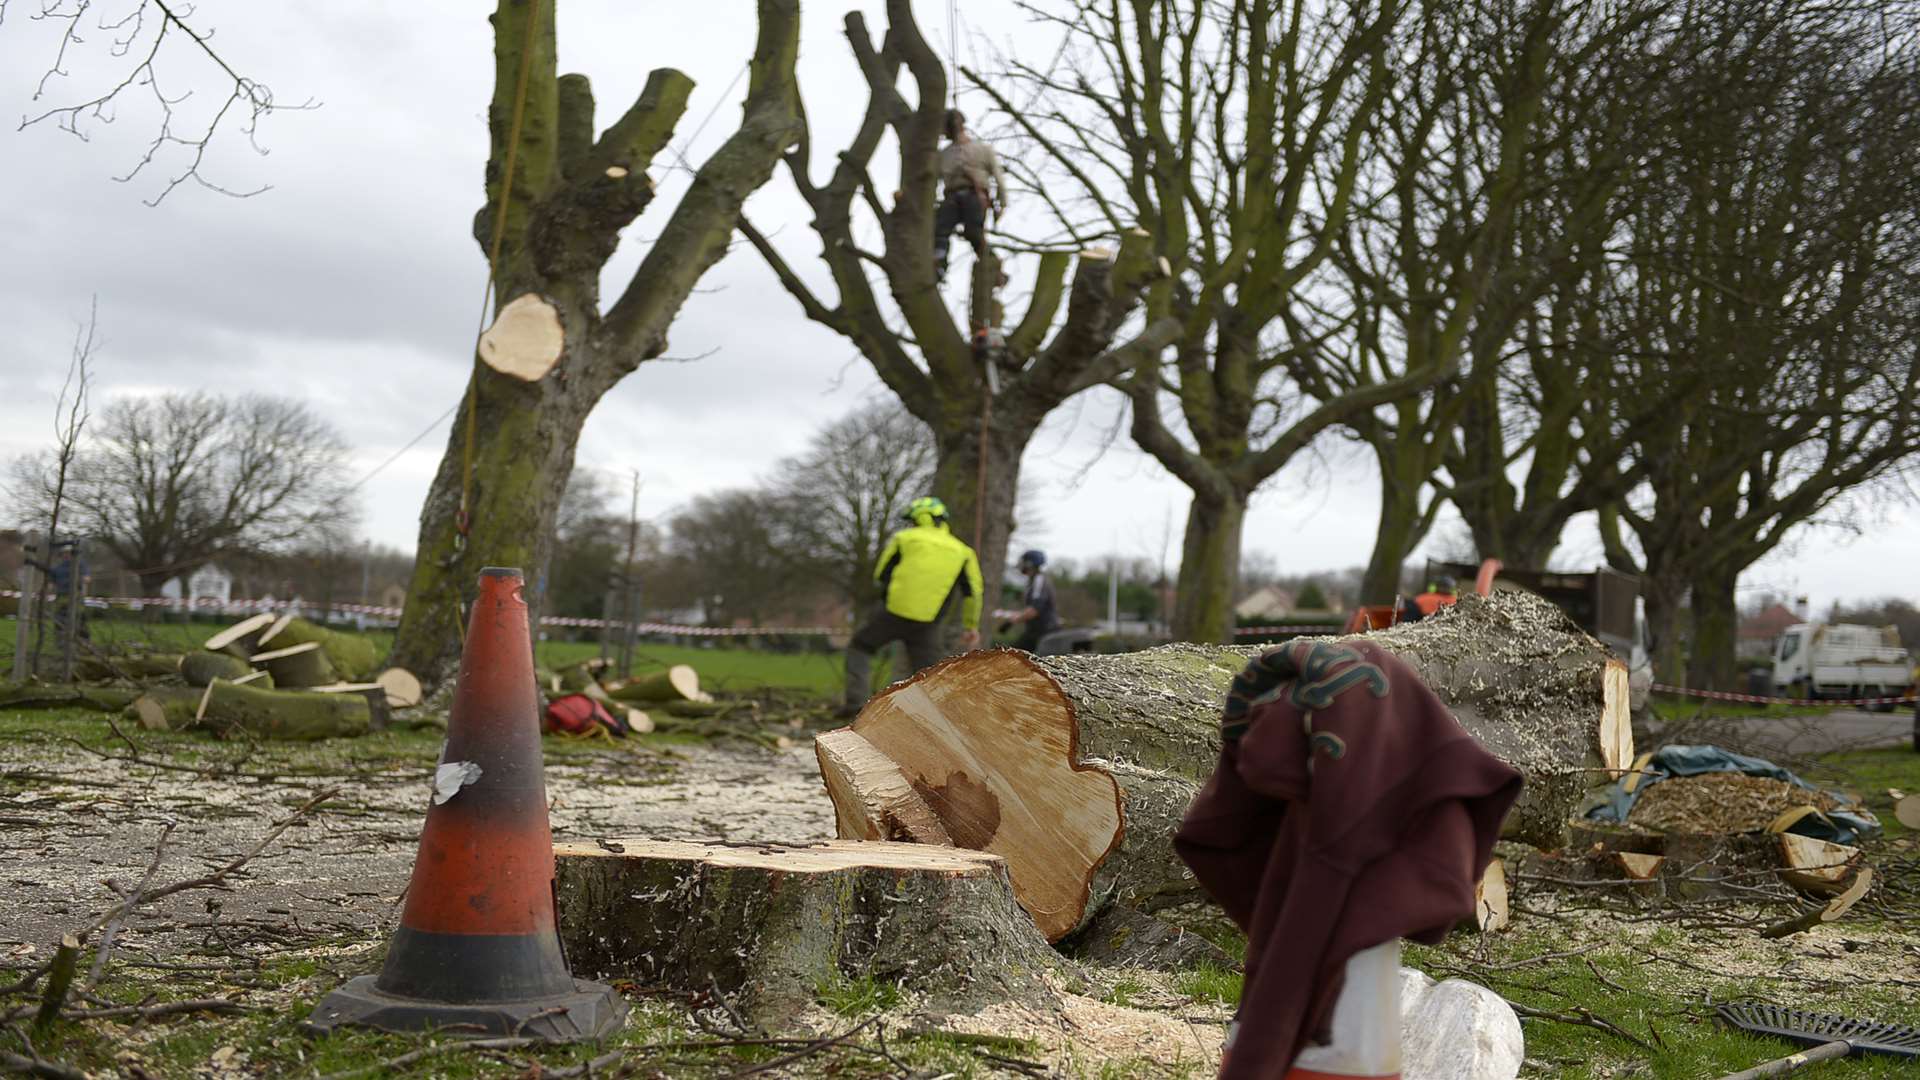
(1076, 769)
(495, 497)
(292, 715)
(778, 925)
(201, 668)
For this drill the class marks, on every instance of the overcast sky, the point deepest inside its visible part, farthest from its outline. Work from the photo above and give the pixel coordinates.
(354, 283)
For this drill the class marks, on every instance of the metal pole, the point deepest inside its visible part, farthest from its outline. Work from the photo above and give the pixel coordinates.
(626, 606)
(23, 615)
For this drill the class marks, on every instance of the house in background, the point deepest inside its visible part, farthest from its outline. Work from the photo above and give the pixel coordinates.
(210, 584)
(1761, 631)
(1266, 602)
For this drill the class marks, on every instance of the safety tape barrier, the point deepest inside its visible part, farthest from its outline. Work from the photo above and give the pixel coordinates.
(1761, 699)
(215, 604)
(1257, 631)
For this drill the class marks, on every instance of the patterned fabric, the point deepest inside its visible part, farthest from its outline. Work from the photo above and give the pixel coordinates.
(1310, 673)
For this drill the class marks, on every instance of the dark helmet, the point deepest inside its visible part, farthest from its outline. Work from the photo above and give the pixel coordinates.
(955, 121)
(1444, 583)
(1033, 557)
(926, 505)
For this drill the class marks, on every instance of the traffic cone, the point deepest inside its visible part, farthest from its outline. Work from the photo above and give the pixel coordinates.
(477, 946)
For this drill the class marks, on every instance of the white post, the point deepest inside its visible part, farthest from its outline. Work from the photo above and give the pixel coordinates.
(23, 616)
(1366, 1020)
(1113, 595)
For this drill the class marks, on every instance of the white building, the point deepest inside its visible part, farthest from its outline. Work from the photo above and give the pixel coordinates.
(209, 583)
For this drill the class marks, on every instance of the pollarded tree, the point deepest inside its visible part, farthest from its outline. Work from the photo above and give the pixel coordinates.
(917, 345)
(1233, 132)
(553, 351)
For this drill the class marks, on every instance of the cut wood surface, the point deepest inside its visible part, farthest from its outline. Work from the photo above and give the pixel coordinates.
(1639, 867)
(278, 654)
(1827, 912)
(402, 687)
(1816, 866)
(149, 714)
(356, 658)
(272, 714)
(639, 722)
(676, 683)
(1491, 906)
(1076, 769)
(525, 340)
(273, 630)
(774, 924)
(251, 625)
(1907, 811)
(872, 799)
(298, 666)
(201, 668)
(346, 688)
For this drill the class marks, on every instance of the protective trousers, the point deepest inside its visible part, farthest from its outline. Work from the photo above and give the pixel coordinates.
(922, 640)
(965, 210)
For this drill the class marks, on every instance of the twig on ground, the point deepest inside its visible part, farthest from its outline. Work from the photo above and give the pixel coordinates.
(434, 1050)
(1583, 1017)
(806, 1051)
(105, 950)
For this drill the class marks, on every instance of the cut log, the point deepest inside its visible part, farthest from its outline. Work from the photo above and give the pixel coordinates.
(34, 696)
(402, 687)
(872, 800)
(525, 340)
(639, 722)
(149, 714)
(1077, 768)
(298, 666)
(677, 683)
(1827, 912)
(272, 714)
(355, 658)
(201, 668)
(1638, 866)
(273, 631)
(1907, 811)
(245, 631)
(776, 924)
(1492, 909)
(1816, 866)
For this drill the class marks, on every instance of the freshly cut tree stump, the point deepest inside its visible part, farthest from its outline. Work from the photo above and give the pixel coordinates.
(1077, 768)
(298, 716)
(775, 924)
(297, 666)
(1492, 908)
(677, 683)
(872, 800)
(201, 668)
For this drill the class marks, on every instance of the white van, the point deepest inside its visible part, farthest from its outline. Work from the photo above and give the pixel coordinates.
(1840, 660)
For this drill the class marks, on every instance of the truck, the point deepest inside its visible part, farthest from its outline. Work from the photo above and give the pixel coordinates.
(1604, 602)
(1840, 660)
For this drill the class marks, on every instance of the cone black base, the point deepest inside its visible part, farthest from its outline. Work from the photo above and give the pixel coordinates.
(591, 1011)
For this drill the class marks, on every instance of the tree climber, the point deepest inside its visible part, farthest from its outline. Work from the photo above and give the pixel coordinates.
(921, 568)
(975, 186)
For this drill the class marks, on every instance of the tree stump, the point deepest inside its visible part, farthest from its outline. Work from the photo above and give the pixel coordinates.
(352, 657)
(1076, 769)
(297, 666)
(777, 924)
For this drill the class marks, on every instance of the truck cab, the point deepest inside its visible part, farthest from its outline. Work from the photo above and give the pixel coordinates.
(1839, 660)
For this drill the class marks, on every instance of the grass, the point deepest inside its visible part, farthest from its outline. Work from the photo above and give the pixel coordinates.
(858, 997)
(1870, 773)
(1125, 990)
(722, 668)
(1210, 982)
(1669, 709)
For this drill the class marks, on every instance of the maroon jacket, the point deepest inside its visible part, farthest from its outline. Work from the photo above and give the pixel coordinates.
(1349, 807)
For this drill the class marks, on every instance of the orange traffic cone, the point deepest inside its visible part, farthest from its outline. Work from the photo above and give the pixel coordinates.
(477, 945)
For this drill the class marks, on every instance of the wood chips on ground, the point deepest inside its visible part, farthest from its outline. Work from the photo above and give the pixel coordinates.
(1722, 802)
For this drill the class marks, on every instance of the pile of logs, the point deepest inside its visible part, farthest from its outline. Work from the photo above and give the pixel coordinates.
(673, 690)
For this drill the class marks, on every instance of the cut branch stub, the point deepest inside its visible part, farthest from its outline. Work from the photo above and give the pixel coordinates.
(525, 340)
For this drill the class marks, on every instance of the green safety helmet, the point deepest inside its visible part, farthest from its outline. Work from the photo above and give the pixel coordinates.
(928, 505)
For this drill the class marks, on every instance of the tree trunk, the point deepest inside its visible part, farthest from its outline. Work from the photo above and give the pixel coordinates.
(1209, 568)
(956, 480)
(778, 926)
(1712, 663)
(1665, 595)
(201, 668)
(1399, 528)
(269, 714)
(1076, 769)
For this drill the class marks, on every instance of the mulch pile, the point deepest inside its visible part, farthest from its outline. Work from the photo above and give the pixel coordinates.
(1723, 802)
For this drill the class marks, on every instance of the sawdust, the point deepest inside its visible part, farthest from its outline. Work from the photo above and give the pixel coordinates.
(1724, 802)
(1087, 1033)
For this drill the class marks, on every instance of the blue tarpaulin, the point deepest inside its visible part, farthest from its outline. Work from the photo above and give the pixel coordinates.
(1842, 826)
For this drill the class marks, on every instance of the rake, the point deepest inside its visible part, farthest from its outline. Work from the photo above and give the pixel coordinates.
(1830, 1036)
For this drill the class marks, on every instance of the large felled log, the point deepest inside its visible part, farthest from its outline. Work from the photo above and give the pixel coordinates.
(272, 714)
(1077, 768)
(776, 924)
(201, 668)
(352, 657)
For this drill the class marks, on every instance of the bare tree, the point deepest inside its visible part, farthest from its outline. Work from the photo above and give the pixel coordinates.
(1769, 301)
(1233, 132)
(557, 200)
(844, 496)
(47, 486)
(168, 483)
(983, 406)
(138, 35)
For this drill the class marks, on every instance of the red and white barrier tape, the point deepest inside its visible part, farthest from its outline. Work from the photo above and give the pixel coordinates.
(1256, 631)
(394, 613)
(1760, 699)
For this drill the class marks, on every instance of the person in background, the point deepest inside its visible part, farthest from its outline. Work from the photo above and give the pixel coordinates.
(921, 568)
(1440, 593)
(65, 573)
(974, 187)
(1040, 617)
